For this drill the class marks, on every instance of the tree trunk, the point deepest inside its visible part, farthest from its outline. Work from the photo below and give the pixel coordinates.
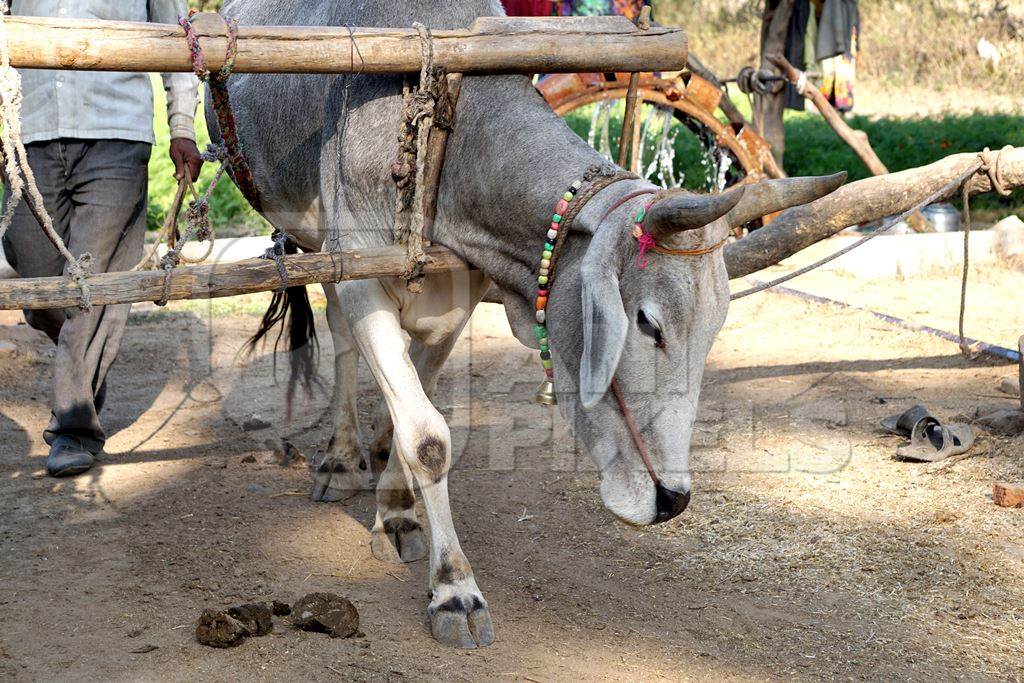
(768, 108)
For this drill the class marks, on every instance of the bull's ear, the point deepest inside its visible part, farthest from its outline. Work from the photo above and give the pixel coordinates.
(605, 324)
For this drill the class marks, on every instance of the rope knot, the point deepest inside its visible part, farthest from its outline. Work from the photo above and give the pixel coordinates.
(198, 217)
(991, 165)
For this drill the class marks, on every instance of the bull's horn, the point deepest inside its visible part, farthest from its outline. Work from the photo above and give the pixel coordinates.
(770, 196)
(689, 211)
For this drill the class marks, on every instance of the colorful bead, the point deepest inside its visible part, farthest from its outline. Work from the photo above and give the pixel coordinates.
(642, 215)
(544, 275)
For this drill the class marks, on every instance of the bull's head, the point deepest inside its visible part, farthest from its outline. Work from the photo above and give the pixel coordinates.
(651, 330)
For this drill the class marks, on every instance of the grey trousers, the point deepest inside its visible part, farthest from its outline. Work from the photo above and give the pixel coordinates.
(95, 191)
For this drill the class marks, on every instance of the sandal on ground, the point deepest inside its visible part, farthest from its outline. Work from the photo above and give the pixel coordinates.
(931, 441)
(903, 424)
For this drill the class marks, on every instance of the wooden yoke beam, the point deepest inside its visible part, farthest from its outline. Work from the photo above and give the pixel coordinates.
(489, 45)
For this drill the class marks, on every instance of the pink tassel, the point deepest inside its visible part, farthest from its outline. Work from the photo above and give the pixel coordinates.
(645, 242)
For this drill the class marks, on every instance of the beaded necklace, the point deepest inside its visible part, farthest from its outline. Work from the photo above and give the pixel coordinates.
(546, 393)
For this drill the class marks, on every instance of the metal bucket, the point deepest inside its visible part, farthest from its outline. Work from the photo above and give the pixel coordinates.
(943, 217)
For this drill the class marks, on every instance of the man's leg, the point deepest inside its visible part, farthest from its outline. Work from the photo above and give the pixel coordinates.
(27, 249)
(107, 184)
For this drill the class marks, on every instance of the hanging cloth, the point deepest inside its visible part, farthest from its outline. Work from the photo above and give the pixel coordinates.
(802, 15)
(528, 8)
(837, 48)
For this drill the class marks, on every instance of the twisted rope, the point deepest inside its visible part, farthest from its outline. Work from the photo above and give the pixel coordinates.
(424, 107)
(241, 173)
(277, 252)
(19, 173)
(197, 221)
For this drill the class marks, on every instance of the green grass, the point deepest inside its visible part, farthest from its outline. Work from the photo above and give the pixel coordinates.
(813, 149)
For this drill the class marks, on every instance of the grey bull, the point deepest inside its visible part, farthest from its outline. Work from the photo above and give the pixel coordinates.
(321, 149)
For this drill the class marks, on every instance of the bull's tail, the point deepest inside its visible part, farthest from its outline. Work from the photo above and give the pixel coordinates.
(291, 311)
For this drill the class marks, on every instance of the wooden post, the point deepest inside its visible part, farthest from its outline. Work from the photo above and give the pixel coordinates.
(1020, 371)
(768, 108)
(630, 116)
(856, 139)
(489, 45)
(437, 148)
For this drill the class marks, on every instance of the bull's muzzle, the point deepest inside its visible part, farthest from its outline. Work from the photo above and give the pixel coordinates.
(669, 503)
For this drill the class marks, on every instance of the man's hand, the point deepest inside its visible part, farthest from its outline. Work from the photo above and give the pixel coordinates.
(185, 155)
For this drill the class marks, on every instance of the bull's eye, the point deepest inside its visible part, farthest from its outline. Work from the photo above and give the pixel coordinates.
(650, 329)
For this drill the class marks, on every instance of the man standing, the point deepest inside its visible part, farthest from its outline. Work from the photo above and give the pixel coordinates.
(89, 136)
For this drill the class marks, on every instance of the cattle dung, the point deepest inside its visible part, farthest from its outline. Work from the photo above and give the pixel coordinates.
(326, 613)
(227, 628)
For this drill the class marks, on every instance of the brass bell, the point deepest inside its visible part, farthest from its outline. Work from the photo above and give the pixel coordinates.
(546, 394)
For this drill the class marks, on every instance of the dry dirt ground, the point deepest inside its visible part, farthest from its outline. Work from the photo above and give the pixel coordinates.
(807, 554)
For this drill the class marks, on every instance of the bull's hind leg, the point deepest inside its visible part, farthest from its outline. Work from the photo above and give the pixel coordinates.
(397, 534)
(458, 613)
(381, 434)
(341, 470)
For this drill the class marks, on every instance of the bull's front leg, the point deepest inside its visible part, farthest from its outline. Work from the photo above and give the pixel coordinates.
(458, 612)
(397, 534)
(341, 470)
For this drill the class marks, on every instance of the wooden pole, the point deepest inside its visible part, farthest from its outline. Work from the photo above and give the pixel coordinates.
(216, 280)
(631, 115)
(1020, 371)
(856, 139)
(489, 45)
(437, 149)
(794, 229)
(865, 200)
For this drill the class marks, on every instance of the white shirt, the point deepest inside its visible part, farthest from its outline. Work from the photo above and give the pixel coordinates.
(103, 105)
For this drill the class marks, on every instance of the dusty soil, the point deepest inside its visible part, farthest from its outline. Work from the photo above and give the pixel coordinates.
(995, 297)
(808, 553)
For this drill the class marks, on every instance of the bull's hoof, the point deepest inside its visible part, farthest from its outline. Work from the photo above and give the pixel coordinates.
(460, 619)
(337, 477)
(398, 540)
